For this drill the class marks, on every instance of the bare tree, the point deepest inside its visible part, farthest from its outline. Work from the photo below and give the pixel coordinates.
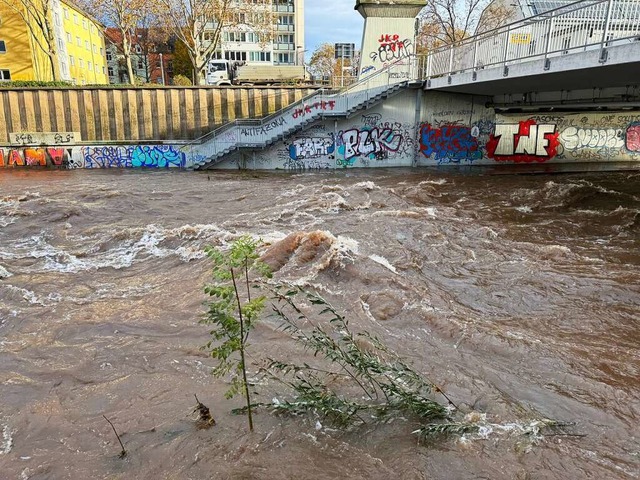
(126, 16)
(199, 25)
(38, 17)
(449, 21)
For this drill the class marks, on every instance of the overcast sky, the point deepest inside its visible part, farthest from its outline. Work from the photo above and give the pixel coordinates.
(331, 21)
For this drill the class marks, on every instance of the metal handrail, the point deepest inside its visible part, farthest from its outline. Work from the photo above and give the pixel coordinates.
(321, 93)
(583, 25)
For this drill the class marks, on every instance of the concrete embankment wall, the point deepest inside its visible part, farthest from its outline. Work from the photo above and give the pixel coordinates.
(136, 114)
(413, 128)
(434, 128)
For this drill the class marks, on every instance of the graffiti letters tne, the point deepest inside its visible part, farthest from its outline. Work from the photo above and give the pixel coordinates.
(523, 142)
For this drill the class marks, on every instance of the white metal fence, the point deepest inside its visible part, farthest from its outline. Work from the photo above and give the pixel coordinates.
(579, 26)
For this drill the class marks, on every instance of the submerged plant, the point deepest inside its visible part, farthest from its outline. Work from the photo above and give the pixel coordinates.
(383, 382)
(232, 311)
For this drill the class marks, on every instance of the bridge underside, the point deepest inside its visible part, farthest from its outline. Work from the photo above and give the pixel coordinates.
(576, 71)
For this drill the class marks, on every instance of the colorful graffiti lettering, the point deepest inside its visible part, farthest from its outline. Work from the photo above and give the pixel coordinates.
(145, 156)
(107, 157)
(40, 157)
(523, 142)
(633, 137)
(308, 148)
(449, 143)
(373, 142)
(308, 109)
(157, 156)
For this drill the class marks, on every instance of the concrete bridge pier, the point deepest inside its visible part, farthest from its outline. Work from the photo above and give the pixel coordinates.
(389, 36)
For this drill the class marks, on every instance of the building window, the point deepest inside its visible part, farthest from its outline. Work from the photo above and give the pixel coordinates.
(84, 23)
(66, 14)
(3, 47)
(57, 19)
(5, 75)
(89, 66)
(238, 56)
(78, 41)
(137, 48)
(101, 51)
(72, 61)
(69, 38)
(95, 49)
(285, 58)
(109, 56)
(81, 63)
(86, 44)
(260, 56)
(75, 19)
(111, 73)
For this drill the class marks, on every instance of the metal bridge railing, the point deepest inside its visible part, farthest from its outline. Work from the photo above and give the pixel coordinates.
(580, 26)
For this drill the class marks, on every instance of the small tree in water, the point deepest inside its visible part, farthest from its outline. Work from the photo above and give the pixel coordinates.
(233, 312)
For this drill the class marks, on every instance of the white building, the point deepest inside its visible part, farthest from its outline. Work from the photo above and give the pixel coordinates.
(286, 46)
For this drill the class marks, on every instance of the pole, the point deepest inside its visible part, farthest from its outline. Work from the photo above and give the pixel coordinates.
(162, 69)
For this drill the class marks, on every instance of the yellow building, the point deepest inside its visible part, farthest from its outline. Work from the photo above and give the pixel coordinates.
(81, 57)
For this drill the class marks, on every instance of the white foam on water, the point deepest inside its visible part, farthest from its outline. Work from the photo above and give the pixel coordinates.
(524, 209)
(4, 273)
(7, 440)
(367, 186)
(32, 298)
(384, 262)
(123, 255)
(440, 181)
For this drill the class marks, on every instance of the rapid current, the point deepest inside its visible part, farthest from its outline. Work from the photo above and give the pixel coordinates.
(518, 295)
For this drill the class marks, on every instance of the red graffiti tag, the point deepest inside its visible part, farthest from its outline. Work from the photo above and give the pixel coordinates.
(525, 142)
(391, 41)
(633, 137)
(307, 109)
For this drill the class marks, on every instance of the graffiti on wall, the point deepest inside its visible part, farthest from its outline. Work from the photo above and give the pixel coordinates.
(42, 157)
(450, 143)
(142, 156)
(632, 137)
(525, 141)
(374, 143)
(592, 136)
(252, 132)
(311, 147)
(392, 48)
(308, 109)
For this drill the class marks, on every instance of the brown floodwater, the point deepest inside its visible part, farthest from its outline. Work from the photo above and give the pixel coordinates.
(519, 295)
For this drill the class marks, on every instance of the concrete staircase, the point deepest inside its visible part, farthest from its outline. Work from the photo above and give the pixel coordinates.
(212, 149)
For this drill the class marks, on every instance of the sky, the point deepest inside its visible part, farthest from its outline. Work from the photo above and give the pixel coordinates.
(331, 21)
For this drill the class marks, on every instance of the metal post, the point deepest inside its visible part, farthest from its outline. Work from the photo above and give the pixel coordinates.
(506, 47)
(607, 24)
(548, 42)
(475, 53)
(451, 59)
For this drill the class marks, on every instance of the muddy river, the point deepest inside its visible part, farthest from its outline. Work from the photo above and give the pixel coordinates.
(518, 294)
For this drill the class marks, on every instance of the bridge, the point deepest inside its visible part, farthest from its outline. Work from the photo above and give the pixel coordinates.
(582, 55)
(587, 44)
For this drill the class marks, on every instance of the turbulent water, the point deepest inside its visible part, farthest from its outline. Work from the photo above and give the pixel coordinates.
(519, 295)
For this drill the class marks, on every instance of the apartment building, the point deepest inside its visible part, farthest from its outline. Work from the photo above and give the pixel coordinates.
(79, 44)
(286, 47)
(151, 57)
